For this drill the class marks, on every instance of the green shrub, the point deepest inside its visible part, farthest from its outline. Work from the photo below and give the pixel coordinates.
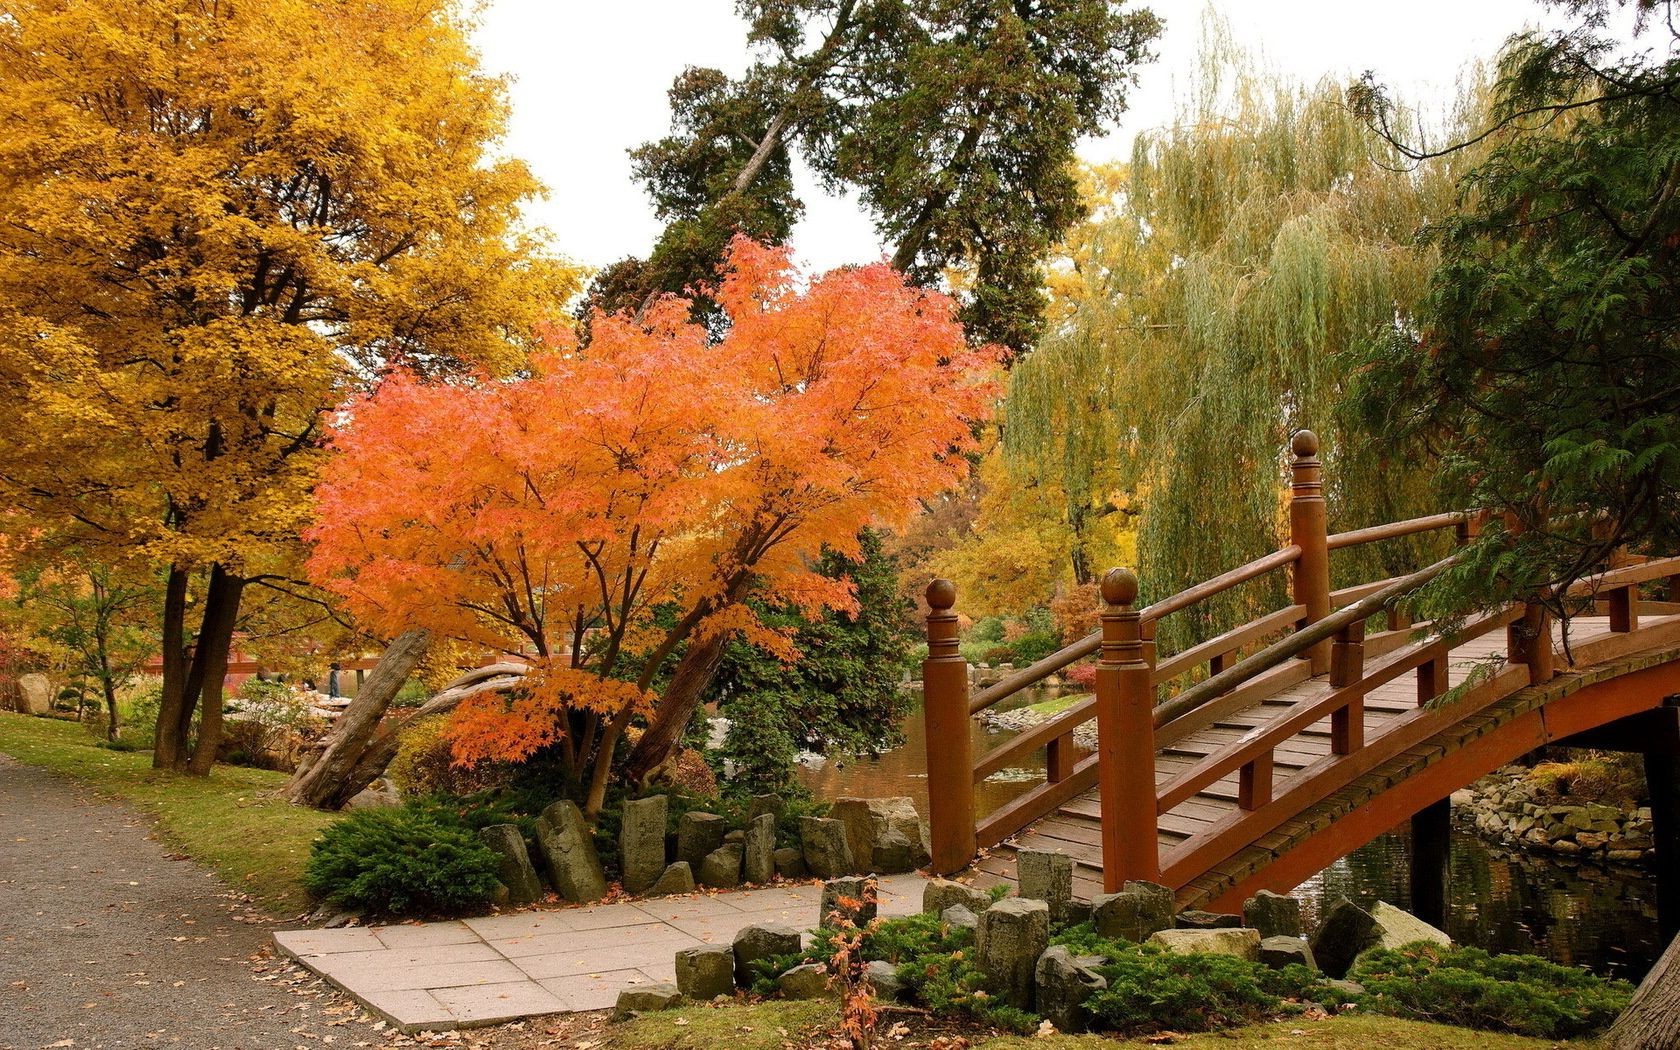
(1033, 647)
(401, 862)
(1523, 994)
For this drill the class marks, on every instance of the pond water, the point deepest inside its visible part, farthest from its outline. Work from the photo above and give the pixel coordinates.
(1574, 913)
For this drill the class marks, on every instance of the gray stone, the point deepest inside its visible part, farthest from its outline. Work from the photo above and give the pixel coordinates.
(641, 842)
(940, 894)
(1396, 928)
(759, 805)
(884, 835)
(677, 878)
(706, 971)
(1162, 905)
(1242, 943)
(736, 836)
(381, 794)
(1130, 915)
(1047, 877)
(1273, 914)
(1345, 931)
(854, 896)
(1063, 985)
(807, 981)
(1347, 988)
(761, 941)
(722, 867)
(699, 834)
(790, 863)
(827, 853)
(1278, 952)
(759, 843)
(882, 978)
(958, 917)
(1013, 933)
(1206, 920)
(34, 693)
(513, 862)
(568, 851)
(646, 998)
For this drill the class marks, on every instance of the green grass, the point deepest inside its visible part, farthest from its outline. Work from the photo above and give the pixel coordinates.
(1047, 708)
(773, 1024)
(232, 821)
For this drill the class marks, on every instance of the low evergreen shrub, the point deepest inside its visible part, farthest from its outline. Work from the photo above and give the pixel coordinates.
(1467, 987)
(401, 861)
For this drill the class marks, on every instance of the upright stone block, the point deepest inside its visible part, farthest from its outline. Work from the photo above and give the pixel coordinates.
(706, 971)
(568, 850)
(1345, 931)
(699, 834)
(1047, 877)
(1273, 914)
(641, 842)
(1064, 982)
(884, 835)
(759, 843)
(852, 895)
(1013, 933)
(1160, 904)
(940, 894)
(761, 941)
(1130, 915)
(513, 862)
(721, 868)
(827, 853)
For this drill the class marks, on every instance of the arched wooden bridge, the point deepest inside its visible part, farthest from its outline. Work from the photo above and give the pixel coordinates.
(1315, 729)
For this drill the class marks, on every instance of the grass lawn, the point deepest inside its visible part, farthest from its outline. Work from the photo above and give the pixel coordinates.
(773, 1025)
(232, 821)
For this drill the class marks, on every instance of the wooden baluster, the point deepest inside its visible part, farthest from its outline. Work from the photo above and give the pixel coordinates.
(1399, 619)
(1309, 530)
(1059, 759)
(1432, 680)
(1347, 667)
(1254, 783)
(1673, 594)
(1218, 663)
(1529, 641)
(1125, 740)
(1624, 609)
(950, 747)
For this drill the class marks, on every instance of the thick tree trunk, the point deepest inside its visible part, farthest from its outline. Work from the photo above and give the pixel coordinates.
(330, 773)
(676, 706)
(209, 666)
(170, 749)
(1652, 1020)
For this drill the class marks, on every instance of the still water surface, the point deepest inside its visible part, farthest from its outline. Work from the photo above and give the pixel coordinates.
(1573, 913)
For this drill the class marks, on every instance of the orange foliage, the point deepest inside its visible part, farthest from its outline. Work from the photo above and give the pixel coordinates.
(652, 468)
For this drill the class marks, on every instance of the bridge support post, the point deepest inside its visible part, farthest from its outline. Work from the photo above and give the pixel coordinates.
(950, 746)
(1662, 779)
(1309, 530)
(1125, 740)
(1430, 862)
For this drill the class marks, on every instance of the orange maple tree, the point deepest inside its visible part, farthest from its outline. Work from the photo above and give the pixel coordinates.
(549, 517)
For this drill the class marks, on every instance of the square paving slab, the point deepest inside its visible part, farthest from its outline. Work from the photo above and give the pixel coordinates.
(441, 975)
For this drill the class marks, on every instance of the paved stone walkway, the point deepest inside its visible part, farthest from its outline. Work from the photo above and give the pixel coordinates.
(483, 971)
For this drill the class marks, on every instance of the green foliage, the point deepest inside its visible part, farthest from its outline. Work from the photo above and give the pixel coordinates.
(841, 696)
(1542, 364)
(401, 861)
(1503, 993)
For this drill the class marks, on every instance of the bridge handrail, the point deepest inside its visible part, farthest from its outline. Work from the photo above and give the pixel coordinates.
(1396, 529)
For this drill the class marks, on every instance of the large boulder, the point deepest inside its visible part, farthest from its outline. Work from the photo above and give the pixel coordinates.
(885, 835)
(759, 843)
(678, 877)
(1399, 928)
(646, 998)
(1345, 931)
(940, 894)
(513, 862)
(882, 978)
(721, 868)
(805, 981)
(706, 971)
(1278, 952)
(1273, 914)
(641, 842)
(1242, 943)
(568, 851)
(761, 941)
(1013, 933)
(34, 694)
(699, 834)
(1047, 877)
(827, 852)
(1133, 914)
(1064, 981)
(853, 896)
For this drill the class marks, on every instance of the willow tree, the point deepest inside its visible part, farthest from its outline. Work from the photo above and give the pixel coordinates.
(1256, 240)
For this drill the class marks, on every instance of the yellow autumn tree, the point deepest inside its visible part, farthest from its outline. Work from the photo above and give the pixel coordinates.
(216, 220)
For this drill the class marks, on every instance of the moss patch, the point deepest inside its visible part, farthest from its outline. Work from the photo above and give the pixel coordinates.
(232, 821)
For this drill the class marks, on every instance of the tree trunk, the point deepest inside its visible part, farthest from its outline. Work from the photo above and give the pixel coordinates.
(328, 774)
(110, 707)
(1652, 1019)
(210, 660)
(678, 704)
(170, 749)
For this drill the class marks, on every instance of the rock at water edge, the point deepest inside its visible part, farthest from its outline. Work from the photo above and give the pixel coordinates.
(1244, 944)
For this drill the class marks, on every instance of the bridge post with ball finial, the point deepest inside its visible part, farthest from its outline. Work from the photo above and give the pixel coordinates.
(950, 746)
(1309, 530)
(1125, 739)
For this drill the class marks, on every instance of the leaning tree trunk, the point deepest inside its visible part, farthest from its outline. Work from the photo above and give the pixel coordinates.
(331, 772)
(1652, 1020)
(676, 707)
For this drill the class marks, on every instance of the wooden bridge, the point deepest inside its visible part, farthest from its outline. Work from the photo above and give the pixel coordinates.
(1316, 727)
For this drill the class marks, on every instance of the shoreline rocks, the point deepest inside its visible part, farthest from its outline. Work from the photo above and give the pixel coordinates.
(1509, 808)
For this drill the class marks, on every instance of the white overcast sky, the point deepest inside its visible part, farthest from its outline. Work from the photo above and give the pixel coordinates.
(590, 79)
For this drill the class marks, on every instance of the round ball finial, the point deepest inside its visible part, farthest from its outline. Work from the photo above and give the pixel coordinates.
(1120, 587)
(941, 595)
(1305, 443)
